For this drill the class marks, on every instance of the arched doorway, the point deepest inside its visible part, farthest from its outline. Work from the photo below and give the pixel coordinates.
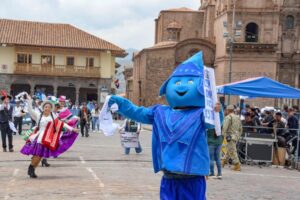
(88, 94)
(251, 34)
(69, 92)
(18, 88)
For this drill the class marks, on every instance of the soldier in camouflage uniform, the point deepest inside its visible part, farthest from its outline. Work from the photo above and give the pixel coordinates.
(232, 129)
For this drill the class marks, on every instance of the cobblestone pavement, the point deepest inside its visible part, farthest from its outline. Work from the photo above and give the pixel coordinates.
(96, 168)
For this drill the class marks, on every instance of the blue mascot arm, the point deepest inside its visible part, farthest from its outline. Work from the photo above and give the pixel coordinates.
(129, 110)
(210, 126)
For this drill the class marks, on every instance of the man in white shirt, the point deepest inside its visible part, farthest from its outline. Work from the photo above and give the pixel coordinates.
(18, 114)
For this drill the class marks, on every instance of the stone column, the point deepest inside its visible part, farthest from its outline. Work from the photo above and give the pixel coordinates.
(99, 95)
(77, 94)
(32, 89)
(55, 90)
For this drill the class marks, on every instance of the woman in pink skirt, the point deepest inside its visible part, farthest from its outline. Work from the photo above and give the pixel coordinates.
(36, 144)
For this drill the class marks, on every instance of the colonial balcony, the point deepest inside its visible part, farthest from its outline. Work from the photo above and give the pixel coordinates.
(57, 70)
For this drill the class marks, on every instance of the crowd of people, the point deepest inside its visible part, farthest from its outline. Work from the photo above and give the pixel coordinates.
(15, 111)
(284, 124)
(236, 123)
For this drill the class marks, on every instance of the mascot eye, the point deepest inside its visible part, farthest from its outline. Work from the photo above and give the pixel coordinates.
(190, 82)
(178, 83)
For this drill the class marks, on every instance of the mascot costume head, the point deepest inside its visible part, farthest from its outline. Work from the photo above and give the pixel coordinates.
(184, 88)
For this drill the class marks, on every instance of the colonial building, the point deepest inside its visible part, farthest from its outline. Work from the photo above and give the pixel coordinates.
(264, 36)
(58, 59)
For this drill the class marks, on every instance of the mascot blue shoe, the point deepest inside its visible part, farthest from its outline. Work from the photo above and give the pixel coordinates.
(179, 144)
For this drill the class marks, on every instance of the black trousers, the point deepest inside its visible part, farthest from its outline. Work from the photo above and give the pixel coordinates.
(5, 131)
(84, 128)
(33, 123)
(18, 121)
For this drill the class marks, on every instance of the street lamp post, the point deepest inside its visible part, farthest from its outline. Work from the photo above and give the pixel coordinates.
(230, 38)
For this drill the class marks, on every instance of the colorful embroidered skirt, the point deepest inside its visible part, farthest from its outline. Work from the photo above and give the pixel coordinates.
(37, 149)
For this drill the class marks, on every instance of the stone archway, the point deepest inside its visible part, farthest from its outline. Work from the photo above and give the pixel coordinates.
(189, 47)
(251, 32)
(88, 94)
(69, 92)
(16, 88)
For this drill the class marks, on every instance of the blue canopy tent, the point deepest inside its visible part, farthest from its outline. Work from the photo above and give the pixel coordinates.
(259, 87)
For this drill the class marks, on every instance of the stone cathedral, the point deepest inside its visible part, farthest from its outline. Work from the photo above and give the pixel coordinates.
(264, 36)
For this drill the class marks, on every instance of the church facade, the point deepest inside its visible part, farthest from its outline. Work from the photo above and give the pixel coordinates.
(240, 39)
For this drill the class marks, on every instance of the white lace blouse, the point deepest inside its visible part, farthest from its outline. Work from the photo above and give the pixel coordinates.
(43, 123)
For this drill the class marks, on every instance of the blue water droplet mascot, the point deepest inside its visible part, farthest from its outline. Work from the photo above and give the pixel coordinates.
(179, 144)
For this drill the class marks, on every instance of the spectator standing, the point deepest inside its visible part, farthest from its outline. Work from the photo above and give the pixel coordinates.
(278, 124)
(292, 121)
(6, 111)
(215, 144)
(232, 129)
(18, 114)
(95, 118)
(255, 116)
(267, 121)
(285, 112)
(84, 115)
(133, 127)
(248, 124)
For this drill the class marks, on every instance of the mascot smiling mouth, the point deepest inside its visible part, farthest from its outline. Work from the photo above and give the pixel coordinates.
(181, 93)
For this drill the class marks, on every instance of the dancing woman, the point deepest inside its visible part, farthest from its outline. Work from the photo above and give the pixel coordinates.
(37, 146)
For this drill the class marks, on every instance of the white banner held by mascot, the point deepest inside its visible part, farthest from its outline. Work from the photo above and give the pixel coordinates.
(211, 117)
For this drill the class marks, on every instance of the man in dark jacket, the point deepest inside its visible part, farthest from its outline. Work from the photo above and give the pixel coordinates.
(84, 115)
(6, 111)
(292, 121)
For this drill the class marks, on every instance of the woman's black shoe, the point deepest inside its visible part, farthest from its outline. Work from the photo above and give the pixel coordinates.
(31, 172)
(44, 162)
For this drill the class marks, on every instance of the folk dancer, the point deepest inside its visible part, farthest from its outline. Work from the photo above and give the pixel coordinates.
(47, 140)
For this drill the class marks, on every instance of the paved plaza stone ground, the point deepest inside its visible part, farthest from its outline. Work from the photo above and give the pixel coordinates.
(96, 168)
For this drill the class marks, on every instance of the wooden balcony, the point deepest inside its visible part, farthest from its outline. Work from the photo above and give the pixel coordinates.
(57, 70)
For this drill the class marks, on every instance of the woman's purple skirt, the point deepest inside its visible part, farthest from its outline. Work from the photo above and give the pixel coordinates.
(37, 149)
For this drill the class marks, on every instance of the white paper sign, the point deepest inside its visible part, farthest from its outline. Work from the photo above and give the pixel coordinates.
(105, 120)
(211, 117)
(129, 139)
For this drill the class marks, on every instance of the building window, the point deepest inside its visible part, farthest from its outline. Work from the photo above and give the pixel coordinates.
(289, 22)
(70, 61)
(46, 60)
(24, 58)
(251, 34)
(90, 62)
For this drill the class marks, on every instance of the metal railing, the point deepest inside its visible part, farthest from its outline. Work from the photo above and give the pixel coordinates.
(57, 70)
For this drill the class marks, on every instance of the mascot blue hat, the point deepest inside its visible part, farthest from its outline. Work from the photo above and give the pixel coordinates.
(191, 67)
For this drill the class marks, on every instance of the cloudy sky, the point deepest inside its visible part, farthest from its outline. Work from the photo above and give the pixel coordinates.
(127, 23)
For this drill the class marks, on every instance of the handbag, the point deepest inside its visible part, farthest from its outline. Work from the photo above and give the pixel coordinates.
(52, 134)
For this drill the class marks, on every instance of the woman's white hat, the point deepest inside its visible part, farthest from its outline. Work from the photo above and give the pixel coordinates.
(48, 102)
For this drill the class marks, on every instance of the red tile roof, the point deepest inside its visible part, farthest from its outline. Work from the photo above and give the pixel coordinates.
(51, 35)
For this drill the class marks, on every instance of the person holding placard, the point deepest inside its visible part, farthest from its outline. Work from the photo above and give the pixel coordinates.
(130, 136)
